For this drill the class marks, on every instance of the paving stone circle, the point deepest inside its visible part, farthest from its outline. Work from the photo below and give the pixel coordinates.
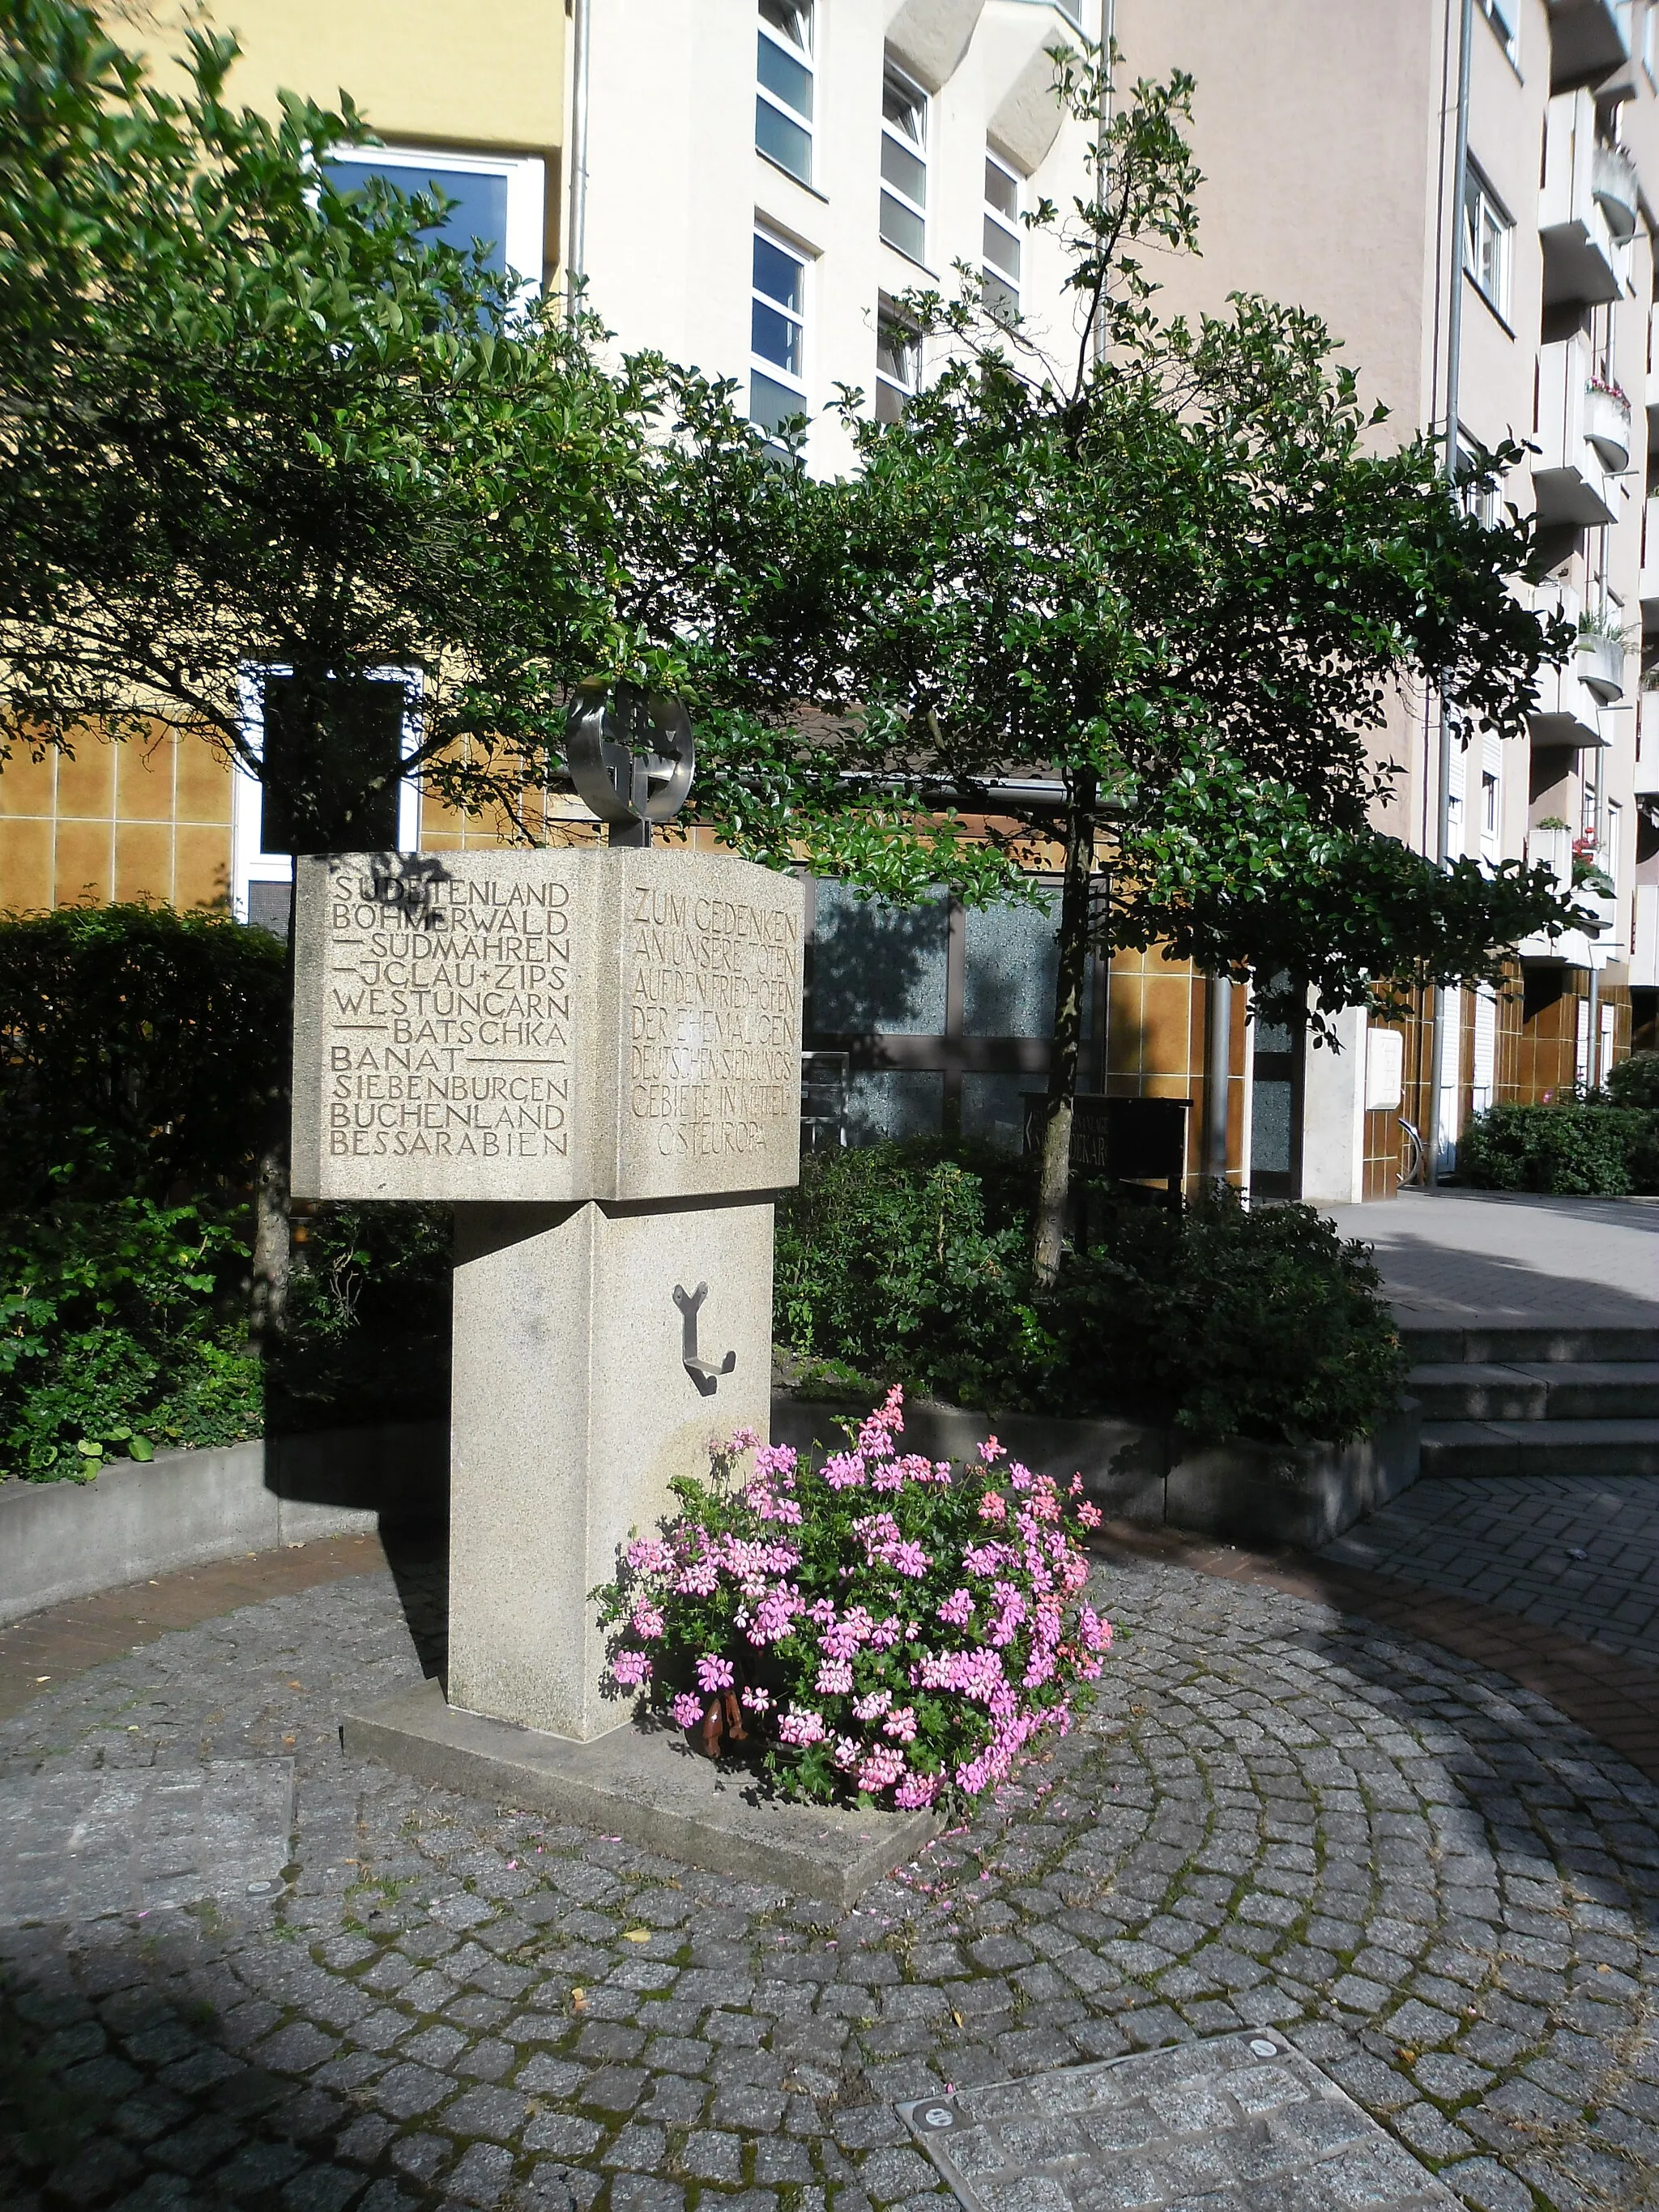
(1273, 1820)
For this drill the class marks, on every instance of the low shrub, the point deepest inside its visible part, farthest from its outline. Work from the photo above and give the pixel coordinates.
(1581, 1147)
(1635, 1082)
(120, 1335)
(884, 1628)
(137, 1049)
(902, 1264)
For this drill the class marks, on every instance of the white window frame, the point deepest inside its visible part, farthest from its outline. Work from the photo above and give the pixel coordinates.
(802, 52)
(915, 150)
(759, 365)
(993, 277)
(893, 391)
(1485, 218)
(524, 244)
(1505, 16)
(249, 862)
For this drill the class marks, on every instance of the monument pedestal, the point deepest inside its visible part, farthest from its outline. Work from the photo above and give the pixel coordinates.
(573, 1408)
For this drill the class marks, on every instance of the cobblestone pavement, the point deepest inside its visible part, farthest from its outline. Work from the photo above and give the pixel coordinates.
(1446, 1892)
(1576, 1553)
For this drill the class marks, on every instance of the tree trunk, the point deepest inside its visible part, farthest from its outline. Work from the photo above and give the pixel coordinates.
(1055, 1184)
(272, 1230)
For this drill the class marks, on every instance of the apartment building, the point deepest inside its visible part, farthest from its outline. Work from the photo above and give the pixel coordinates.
(1464, 189)
(471, 100)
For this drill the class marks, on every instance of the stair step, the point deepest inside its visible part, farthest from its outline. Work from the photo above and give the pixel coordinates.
(1510, 1347)
(1497, 1447)
(1539, 1390)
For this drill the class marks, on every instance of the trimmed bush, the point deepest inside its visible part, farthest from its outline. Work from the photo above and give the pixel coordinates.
(1570, 1148)
(905, 1265)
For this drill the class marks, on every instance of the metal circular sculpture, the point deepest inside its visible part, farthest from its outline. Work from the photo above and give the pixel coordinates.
(630, 752)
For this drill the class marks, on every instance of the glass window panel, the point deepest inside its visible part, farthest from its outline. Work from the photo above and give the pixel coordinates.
(895, 352)
(888, 1104)
(1002, 247)
(791, 21)
(480, 201)
(782, 141)
(1001, 189)
(879, 967)
(998, 297)
(1270, 1127)
(901, 168)
(332, 762)
(994, 1110)
(771, 405)
(777, 274)
(780, 73)
(774, 337)
(902, 226)
(903, 108)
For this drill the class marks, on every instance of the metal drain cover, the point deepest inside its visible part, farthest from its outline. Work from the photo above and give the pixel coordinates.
(1239, 2123)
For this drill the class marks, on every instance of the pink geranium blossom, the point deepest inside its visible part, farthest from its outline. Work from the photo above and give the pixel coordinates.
(687, 1710)
(714, 1674)
(629, 1668)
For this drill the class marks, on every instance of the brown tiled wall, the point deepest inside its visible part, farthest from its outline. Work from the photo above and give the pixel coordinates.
(115, 822)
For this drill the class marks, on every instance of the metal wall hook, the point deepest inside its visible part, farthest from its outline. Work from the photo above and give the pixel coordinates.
(703, 1372)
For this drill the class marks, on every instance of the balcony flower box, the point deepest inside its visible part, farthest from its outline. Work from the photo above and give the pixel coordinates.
(1607, 425)
(1601, 664)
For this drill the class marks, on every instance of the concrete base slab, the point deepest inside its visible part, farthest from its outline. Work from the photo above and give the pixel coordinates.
(646, 1785)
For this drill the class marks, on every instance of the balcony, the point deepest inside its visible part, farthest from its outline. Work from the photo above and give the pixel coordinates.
(1579, 424)
(1588, 40)
(1648, 585)
(1607, 425)
(1566, 711)
(1571, 949)
(1583, 257)
(1602, 666)
(1613, 180)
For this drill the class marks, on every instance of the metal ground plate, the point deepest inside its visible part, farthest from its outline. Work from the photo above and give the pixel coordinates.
(1239, 2123)
(84, 1841)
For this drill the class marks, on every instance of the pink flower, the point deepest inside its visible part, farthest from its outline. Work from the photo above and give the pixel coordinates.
(876, 1435)
(776, 1460)
(886, 1634)
(909, 1560)
(957, 1608)
(649, 1555)
(848, 1752)
(756, 1701)
(774, 1615)
(835, 1678)
(687, 1710)
(1096, 1633)
(1088, 1515)
(801, 1726)
(845, 1470)
(882, 1767)
(984, 1558)
(743, 1440)
(647, 1621)
(714, 1672)
(993, 1506)
(991, 1451)
(916, 1791)
(899, 1725)
(629, 1668)
(871, 1707)
(699, 1578)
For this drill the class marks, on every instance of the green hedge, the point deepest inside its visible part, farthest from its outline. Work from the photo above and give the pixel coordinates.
(906, 1263)
(1584, 1147)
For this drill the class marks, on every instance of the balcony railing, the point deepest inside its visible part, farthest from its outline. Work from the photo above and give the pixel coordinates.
(1583, 257)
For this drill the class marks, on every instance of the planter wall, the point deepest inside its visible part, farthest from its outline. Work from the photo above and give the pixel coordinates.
(1250, 1493)
(60, 1541)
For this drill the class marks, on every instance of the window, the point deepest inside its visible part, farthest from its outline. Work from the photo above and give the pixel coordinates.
(499, 201)
(898, 363)
(783, 95)
(1486, 234)
(777, 341)
(1505, 17)
(904, 165)
(1000, 287)
(1481, 502)
(359, 802)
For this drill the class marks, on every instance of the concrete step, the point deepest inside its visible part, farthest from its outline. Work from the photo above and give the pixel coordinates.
(1509, 1347)
(1498, 1448)
(1539, 1390)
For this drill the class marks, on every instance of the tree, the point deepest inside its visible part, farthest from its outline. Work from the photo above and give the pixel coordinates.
(255, 430)
(1179, 574)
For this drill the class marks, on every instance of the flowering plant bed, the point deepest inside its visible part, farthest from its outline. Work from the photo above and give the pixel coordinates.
(885, 1628)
